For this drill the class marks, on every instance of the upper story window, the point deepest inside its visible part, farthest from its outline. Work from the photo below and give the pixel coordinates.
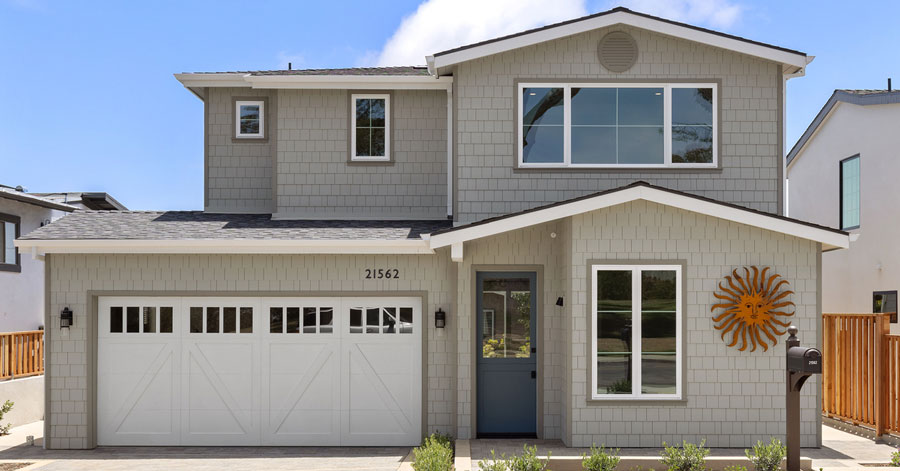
(609, 125)
(9, 232)
(636, 332)
(370, 128)
(850, 193)
(250, 119)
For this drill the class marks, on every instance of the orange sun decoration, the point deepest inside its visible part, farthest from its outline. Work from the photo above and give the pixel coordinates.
(752, 306)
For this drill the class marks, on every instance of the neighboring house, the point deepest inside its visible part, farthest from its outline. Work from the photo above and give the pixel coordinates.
(97, 201)
(463, 247)
(21, 275)
(839, 173)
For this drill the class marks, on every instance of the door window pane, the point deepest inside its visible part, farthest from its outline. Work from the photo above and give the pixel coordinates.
(246, 320)
(196, 320)
(506, 310)
(165, 320)
(850, 193)
(276, 320)
(293, 320)
(115, 319)
(229, 320)
(212, 320)
(149, 320)
(132, 319)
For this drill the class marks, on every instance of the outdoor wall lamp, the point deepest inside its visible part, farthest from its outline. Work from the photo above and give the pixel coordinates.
(440, 318)
(559, 301)
(65, 318)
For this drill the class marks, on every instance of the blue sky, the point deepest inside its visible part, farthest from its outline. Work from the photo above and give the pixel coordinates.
(92, 104)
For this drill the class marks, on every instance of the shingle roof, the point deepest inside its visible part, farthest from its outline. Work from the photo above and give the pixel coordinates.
(13, 194)
(411, 70)
(196, 225)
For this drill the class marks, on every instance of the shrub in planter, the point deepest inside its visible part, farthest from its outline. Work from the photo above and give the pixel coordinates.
(527, 461)
(735, 467)
(4, 409)
(688, 457)
(767, 457)
(895, 458)
(600, 459)
(435, 454)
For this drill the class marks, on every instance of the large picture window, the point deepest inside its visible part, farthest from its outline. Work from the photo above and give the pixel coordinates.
(850, 193)
(608, 125)
(636, 332)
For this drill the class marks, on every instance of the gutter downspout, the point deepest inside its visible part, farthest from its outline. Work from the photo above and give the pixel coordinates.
(450, 152)
(785, 186)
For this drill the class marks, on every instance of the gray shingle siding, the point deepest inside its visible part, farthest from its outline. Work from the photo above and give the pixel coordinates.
(488, 184)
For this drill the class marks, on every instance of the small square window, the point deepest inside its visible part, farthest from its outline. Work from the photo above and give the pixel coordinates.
(370, 128)
(249, 119)
(9, 232)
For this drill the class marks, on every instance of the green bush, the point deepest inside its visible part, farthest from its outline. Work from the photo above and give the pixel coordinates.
(895, 458)
(735, 467)
(767, 457)
(435, 454)
(600, 460)
(527, 461)
(4, 409)
(688, 457)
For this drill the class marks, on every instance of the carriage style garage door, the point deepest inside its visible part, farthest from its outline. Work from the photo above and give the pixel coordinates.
(259, 371)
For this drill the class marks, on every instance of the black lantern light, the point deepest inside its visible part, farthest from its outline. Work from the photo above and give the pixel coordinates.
(65, 318)
(440, 318)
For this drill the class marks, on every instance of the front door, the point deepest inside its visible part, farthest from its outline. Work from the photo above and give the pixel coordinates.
(506, 365)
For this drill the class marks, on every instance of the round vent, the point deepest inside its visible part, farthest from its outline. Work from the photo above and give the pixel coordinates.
(618, 51)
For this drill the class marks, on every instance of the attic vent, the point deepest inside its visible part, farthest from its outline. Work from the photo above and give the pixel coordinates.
(618, 51)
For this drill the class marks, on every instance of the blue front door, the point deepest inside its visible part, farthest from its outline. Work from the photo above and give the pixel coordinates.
(506, 306)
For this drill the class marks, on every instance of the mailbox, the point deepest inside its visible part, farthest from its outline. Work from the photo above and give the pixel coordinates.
(804, 360)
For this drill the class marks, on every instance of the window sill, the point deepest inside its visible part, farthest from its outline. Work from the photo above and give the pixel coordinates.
(633, 401)
(8, 267)
(373, 162)
(618, 169)
(249, 140)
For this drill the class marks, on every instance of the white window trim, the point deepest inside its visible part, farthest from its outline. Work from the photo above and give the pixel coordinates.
(667, 124)
(387, 128)
(262, 119)
(636, 333)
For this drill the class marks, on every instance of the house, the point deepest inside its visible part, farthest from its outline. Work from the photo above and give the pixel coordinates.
(463, 247)
(95, 200)
(837, 173)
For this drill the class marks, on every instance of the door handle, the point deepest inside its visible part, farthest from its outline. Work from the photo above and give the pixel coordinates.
(533, 374)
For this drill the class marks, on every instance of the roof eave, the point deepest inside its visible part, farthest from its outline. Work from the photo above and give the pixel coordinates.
(37, 201)
(225, 246)
(361, 82)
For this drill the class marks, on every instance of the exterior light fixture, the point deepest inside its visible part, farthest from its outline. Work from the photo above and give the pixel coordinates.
(65, 318)
(559, 301)
(440, 319)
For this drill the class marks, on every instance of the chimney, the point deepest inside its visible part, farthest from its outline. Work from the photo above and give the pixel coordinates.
(889, 84)
(889, 80)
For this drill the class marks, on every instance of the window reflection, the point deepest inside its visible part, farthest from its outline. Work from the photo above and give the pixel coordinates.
(506, 318)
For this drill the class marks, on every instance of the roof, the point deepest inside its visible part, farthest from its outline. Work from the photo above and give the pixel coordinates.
(855, 97)
(197, 225)
(831, 238)
(620, 15)
(411, 70)
(21, 196)
(351, 78)
(90, 200)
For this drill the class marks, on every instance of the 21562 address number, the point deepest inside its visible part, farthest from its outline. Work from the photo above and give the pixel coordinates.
(379, 273)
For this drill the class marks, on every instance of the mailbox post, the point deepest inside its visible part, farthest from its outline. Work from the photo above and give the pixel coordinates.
(801, 364)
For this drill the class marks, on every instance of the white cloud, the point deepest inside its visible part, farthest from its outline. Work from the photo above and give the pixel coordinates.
(714, 13)
(438, 25)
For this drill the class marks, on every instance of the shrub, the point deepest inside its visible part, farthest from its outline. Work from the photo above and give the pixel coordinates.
(600, 460)
(688, 457)
(435, 454)
(735, 467)
(895, 458)
(4, 409)
(767, 457)
(527, 461)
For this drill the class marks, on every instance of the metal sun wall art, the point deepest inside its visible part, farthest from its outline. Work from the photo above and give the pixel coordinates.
(753, 306)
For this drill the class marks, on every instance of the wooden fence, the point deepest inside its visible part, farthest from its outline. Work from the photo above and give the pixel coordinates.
(21, 354)
(861, 371)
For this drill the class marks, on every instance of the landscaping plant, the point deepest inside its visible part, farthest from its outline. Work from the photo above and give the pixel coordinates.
(735, 467)
(4, 409)
(600, 459)
(527, 461)
(688, 457)
(435, 454)
(767, 457)
(895, 458)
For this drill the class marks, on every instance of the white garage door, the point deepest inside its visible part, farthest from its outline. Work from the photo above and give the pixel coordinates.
(259, 371)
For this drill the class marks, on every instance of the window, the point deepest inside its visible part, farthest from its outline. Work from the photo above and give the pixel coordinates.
(250, 119)
(9, 232)
(140, 319)
(636, 332)
(850, 193)
(600, 125)
(307, 319)
(370, 128)
(221, 320)
(885, 301)
(384, 320)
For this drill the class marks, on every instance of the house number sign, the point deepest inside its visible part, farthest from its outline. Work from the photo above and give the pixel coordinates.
(379, 273)
(754, 305)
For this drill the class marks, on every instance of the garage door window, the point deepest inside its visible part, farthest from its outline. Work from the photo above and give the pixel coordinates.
(297, 319)
(140, 319)
(221, 320)
(385, 320)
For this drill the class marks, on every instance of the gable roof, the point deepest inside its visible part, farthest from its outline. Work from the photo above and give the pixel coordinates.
(855, 97)
(830, 238)
(21, 196)
(792, 60)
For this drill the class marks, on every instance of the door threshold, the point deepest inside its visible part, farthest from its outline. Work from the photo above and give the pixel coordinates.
(507, 435)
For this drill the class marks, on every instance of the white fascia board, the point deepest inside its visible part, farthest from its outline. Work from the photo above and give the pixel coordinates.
(662, 27)
(216, 246)
(355, 82)
(829, 239)
(212, 80)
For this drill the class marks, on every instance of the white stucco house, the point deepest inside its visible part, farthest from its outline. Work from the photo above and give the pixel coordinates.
(524, 237)
(839, 173)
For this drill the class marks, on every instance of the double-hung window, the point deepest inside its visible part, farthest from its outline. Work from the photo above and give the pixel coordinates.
(9, 231)
(636, 332)
(370, 128)
(624, 126)
(850, 193)
(250, 119)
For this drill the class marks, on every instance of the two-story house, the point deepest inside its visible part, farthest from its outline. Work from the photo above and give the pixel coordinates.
(839, 177)
(527, 237)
